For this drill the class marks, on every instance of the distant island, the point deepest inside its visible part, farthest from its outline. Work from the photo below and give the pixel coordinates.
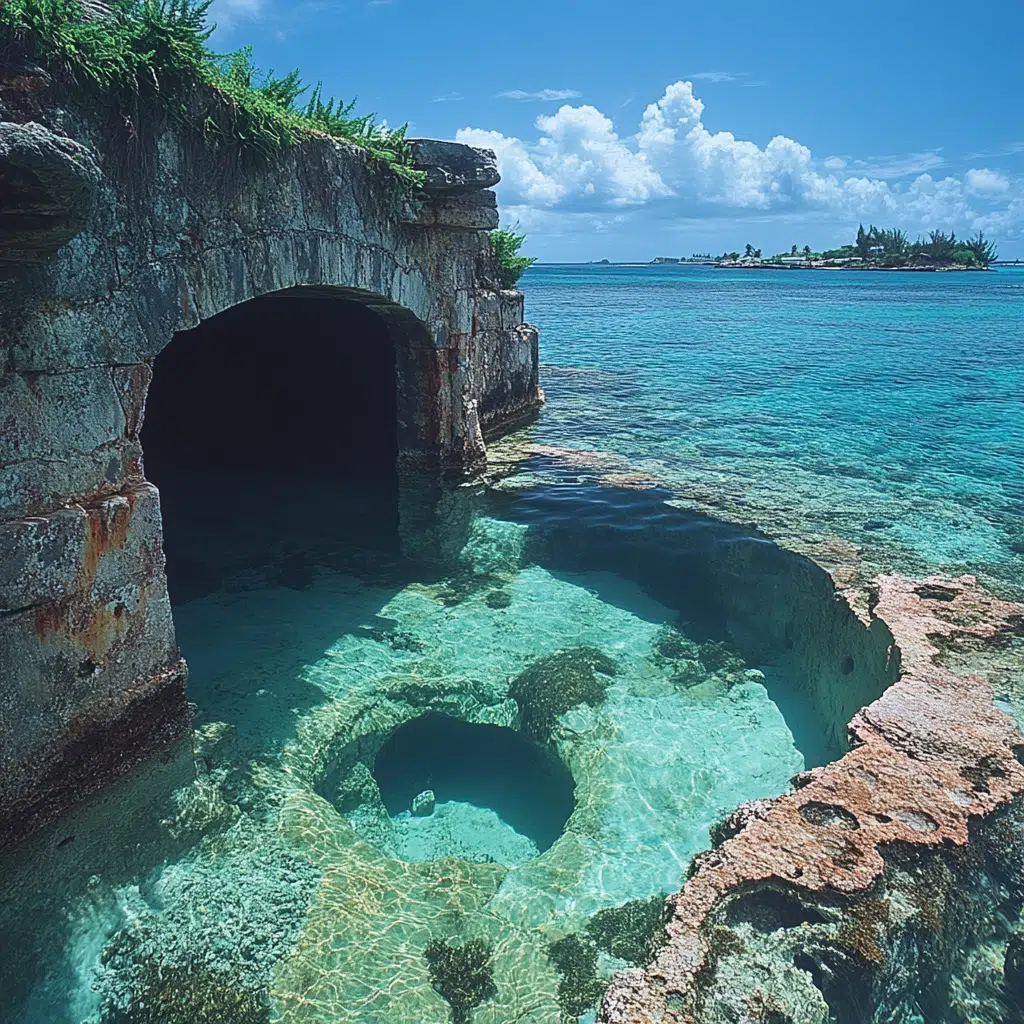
(873, 249)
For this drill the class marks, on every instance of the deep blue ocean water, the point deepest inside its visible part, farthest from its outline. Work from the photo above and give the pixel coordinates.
(885, 408)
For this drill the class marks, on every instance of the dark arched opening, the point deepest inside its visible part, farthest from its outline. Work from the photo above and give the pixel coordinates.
(271, 432)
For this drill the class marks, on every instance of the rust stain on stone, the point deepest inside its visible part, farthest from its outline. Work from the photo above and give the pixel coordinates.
(78, 617)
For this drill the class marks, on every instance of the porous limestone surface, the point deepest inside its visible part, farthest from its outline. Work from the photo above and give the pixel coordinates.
(889, 884)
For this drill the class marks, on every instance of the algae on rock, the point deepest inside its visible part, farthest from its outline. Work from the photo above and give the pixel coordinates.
(553, 685)
(633, 932)
(579, 988)
(191, 994)
(463, 975)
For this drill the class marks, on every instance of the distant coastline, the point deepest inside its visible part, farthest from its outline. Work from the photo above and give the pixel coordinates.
(812, 264)
(873, 249)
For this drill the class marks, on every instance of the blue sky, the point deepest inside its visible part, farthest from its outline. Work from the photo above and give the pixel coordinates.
(661, 127)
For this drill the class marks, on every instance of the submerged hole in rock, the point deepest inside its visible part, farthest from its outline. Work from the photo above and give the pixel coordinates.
(271, 431)
(471, 768)
(770, 910)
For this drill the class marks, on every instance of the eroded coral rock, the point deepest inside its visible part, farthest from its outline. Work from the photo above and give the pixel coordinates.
(872, 888)
(423, 804)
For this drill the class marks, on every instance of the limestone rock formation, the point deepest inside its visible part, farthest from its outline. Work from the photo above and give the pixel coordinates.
(453, 168)
(49, 183)
(106, 252)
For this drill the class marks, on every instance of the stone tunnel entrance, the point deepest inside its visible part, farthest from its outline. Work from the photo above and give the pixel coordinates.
(271, 432)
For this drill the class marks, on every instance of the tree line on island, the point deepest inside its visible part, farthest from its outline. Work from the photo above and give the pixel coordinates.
(883, 248)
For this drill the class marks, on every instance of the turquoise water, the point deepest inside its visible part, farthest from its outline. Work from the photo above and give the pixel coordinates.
(887, 409)
(873, 417)
(279, 874)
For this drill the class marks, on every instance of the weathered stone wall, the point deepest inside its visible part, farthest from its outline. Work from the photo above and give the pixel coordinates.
(508, 365)
(108, 246)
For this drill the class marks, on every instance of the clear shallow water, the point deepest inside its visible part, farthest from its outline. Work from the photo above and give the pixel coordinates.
(279, 870)
(887, 409)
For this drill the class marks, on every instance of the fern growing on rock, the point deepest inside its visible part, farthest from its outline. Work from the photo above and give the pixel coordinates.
(506, 243)
(140, 57)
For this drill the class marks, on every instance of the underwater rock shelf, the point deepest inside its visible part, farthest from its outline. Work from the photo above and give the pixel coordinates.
(887, 884)
(580, 739)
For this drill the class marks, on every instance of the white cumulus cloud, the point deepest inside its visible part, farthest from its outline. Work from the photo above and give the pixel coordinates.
(579, 164)
(983, 182)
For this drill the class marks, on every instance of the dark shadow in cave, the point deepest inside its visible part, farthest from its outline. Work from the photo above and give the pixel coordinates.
(486, 765)
(271, 431)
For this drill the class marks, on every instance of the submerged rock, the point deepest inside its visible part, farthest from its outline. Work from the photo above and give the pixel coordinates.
(557, 683)
(459, 829)
(423, 804)
(498, 599)
(631, 934)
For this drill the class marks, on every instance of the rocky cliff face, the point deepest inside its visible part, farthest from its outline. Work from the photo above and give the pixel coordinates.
(108, 247)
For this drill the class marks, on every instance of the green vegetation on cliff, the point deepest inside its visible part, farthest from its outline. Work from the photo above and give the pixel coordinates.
(506, 243)
(145, 56)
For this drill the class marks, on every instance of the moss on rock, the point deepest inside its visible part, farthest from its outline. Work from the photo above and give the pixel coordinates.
(716, 656)
(553, 685)
(633, 932)
(462, 975)
(192, 994)
(672, 645)
(464, 585)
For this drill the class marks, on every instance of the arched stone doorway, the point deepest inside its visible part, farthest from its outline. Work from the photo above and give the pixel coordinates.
(272, 433)
(87, 639)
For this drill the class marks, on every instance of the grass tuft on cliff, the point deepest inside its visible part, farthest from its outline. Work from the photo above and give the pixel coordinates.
(506, 243)
(138, 56)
